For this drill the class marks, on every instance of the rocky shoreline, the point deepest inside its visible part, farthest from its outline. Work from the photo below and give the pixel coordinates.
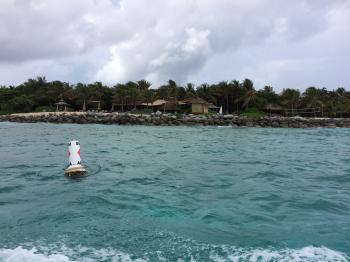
(169, 120)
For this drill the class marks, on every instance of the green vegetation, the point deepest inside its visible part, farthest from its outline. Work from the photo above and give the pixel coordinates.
(253, 113)
(178, 115)
(6, 112)
(210, 114)
(235, 97)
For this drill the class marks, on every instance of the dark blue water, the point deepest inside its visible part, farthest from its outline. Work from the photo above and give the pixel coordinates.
(175, 194)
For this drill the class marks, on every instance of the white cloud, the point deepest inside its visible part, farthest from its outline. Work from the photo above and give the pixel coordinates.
(274, 42)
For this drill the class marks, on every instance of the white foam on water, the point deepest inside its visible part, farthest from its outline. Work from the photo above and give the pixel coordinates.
(307, 254)
(83, 254)
(25, 255)
(21, 254)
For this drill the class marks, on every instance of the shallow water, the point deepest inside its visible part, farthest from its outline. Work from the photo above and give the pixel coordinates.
(175, 194)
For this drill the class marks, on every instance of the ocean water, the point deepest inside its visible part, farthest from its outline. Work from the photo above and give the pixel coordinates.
(174, 194)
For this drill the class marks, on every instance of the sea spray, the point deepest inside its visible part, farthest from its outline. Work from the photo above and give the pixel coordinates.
(214, 253)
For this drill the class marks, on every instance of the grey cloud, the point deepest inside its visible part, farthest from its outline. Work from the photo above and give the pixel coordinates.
(185, 40)
(34, 29)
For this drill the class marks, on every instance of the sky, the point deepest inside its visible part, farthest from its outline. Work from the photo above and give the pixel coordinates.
(281, 43)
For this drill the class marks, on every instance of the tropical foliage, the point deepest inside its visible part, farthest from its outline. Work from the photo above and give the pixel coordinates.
(234, 96)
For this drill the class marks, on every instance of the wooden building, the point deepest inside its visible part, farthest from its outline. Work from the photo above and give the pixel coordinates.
(196, 105)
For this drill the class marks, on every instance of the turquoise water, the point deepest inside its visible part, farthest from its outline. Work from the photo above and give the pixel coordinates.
(175, 194)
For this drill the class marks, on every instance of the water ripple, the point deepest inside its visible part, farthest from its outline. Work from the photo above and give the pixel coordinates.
(263, 194)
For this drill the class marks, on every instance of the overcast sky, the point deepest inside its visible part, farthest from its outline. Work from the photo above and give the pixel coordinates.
(286, 44)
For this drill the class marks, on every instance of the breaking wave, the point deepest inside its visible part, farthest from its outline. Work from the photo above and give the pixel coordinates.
(203, 253)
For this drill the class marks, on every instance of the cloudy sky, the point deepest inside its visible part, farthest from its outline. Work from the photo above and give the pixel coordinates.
(273, 42)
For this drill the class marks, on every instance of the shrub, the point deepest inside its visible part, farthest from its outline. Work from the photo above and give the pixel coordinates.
(21, 103)
(253, 113)
(5, 112)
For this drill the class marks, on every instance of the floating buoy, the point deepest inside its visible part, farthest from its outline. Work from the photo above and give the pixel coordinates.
(75, 167)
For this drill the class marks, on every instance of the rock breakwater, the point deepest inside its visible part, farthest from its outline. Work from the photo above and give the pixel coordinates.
(171, 120)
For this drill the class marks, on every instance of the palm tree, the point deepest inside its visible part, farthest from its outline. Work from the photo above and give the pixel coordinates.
(190, 91)
(313, 99)
(249, 94)
(207, 93)
(235, 90)
(247, 84)
(120, 95)
(173, 90)
(143, 84)
(247, 98)
(149, 96)
(290, 98)
(224, 90)
(343, 101)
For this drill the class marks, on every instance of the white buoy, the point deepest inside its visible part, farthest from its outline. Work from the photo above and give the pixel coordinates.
(75, 166)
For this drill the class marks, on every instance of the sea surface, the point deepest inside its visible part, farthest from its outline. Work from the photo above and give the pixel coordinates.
(174, 194)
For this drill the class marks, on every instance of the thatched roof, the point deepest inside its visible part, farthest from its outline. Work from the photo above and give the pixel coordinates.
(170, 106)
(158, 102)
(137, 103)
(194, 100)
(273, 107)
(61, 103)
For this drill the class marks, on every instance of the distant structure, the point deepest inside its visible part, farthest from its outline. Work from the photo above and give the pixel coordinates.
(193, 105)
(196, 105)
(157, 105)
(305, 112)
(213, 107)
(127, 106)
(61, 105)
(98, 102)
(161, 105)
(273, 109)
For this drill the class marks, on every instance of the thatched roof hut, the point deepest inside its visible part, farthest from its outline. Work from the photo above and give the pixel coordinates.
(197, 105)
(170, 107)
(158, 102)
(194, 100)
(274, 109)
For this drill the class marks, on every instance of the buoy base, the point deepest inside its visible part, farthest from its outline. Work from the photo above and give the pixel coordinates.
(75, 170)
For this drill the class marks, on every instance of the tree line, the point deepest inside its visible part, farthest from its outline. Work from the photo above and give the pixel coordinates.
(234, 96)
